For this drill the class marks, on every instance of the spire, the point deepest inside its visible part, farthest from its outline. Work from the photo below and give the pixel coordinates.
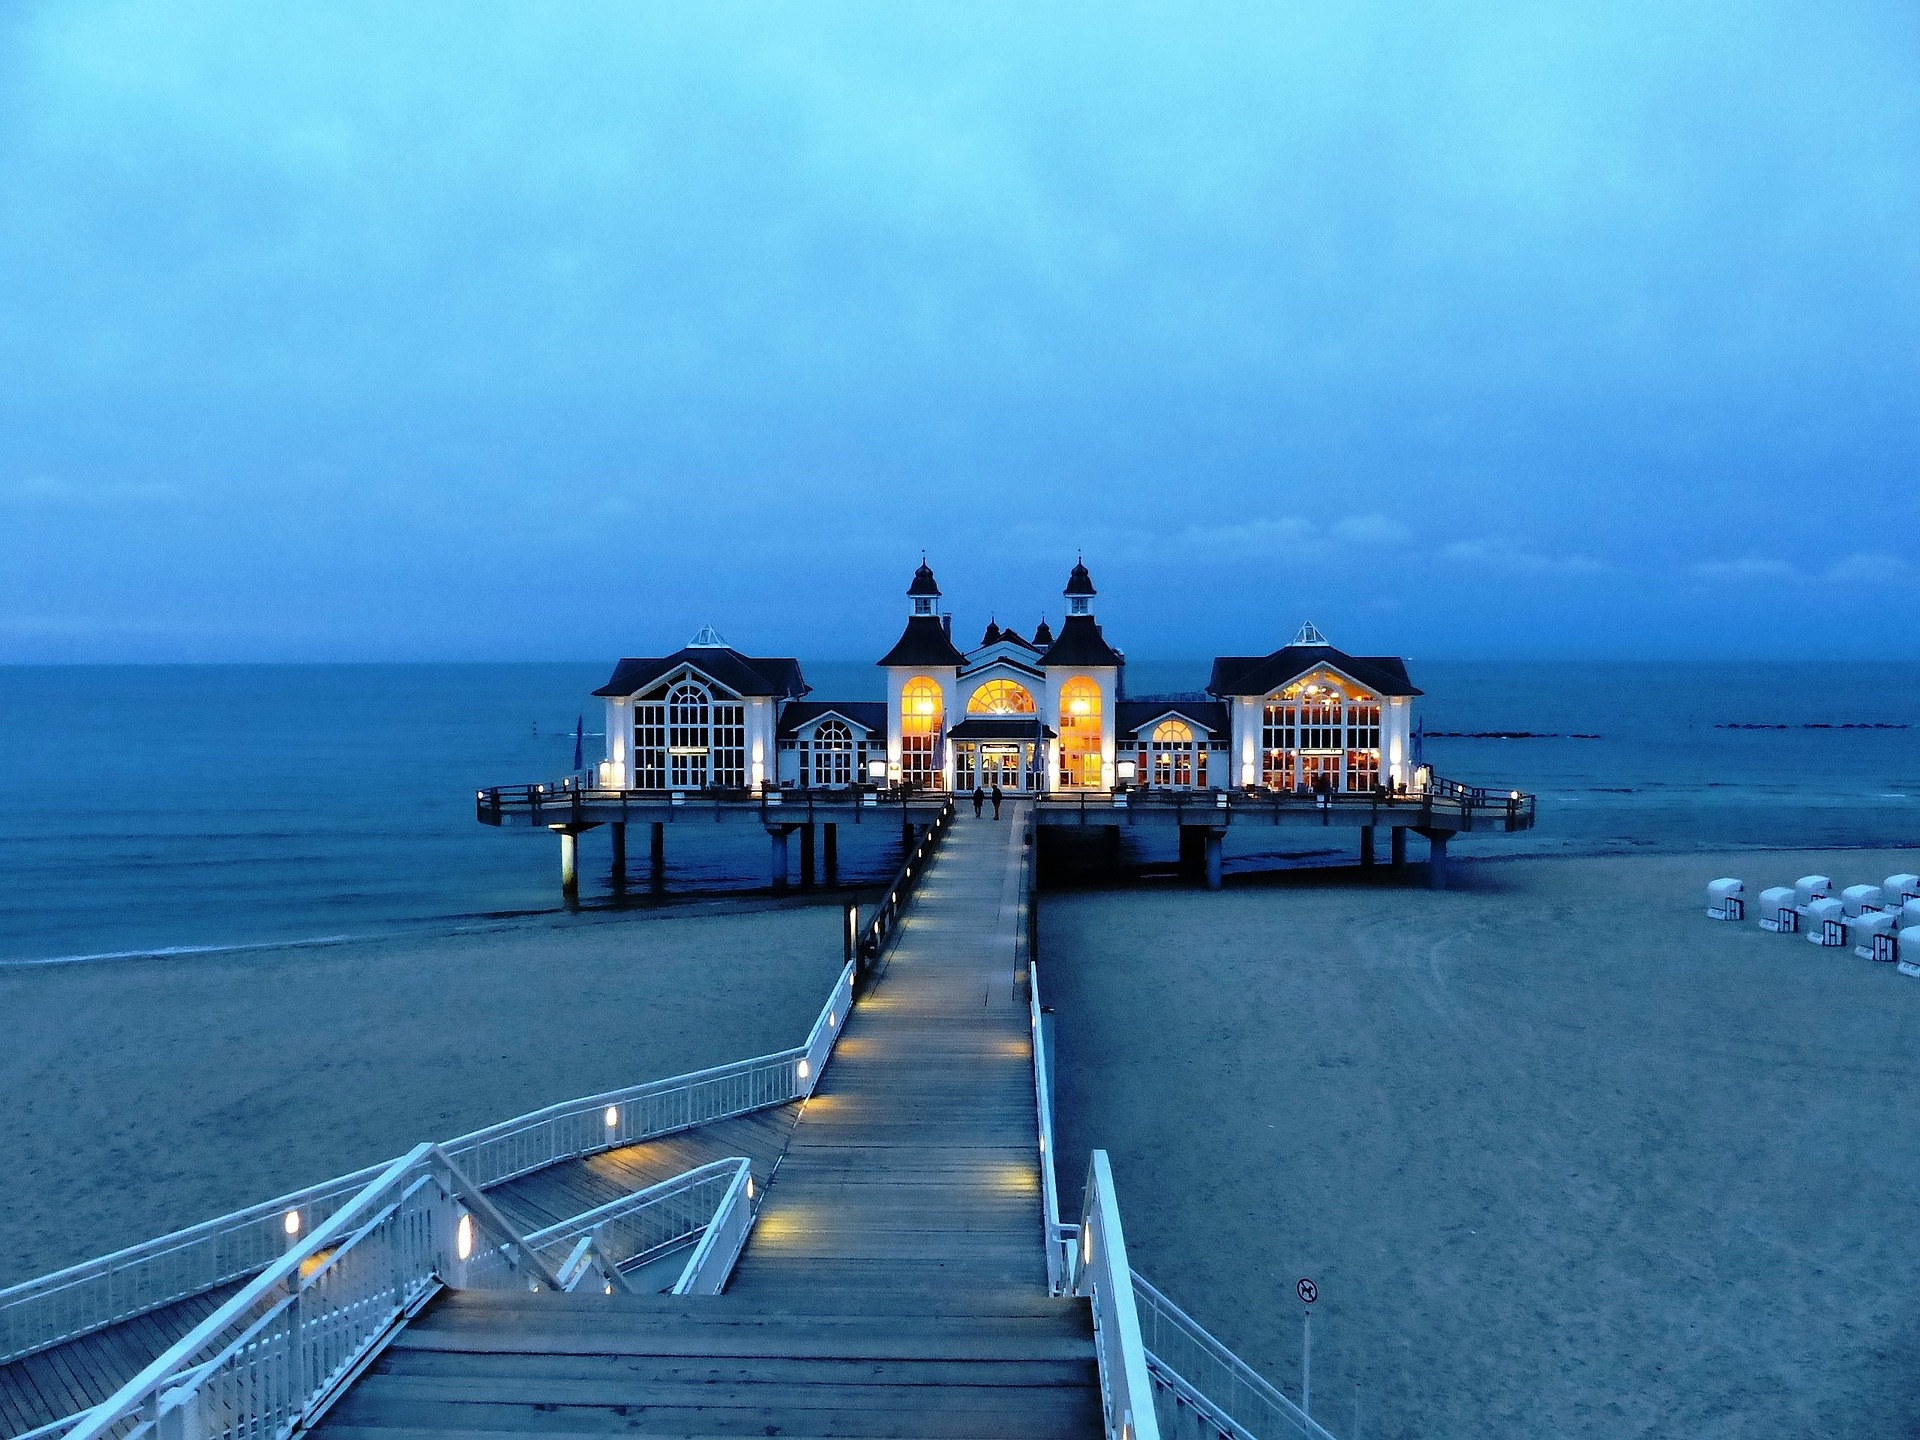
(1309, 635)
(1079, 591)
(992, 636)
(925, 590)
(1043, 635)
(708, 639)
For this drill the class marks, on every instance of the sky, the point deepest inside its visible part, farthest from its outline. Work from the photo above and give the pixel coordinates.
(485, 331)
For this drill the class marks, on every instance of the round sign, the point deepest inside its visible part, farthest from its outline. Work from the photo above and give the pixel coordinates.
(1307, 1291)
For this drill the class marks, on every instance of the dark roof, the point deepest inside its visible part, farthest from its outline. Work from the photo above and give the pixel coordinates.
(1264, 674)
(1081, 643)
(992, 635)
(923, 581)
(738, 673)
(1079, 582)
(869, 715)
(1000, 727)
(924, 642)
(1042, 634)
(1132, 716)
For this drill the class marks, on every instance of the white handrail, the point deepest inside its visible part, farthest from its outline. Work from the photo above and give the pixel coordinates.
(1059, 1238)
(301, 1328)
(1102, 1275)
(719, 1249)
(39, 1313)
(1191, 1368)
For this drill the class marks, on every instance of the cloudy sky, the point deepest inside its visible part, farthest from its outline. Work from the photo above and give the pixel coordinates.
(527, 331)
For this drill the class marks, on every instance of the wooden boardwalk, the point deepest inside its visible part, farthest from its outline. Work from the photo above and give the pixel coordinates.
(895, 1281)
(66, 1379)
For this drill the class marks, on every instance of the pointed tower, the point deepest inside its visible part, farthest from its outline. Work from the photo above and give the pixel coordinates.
(923, 668)
(1083, 687)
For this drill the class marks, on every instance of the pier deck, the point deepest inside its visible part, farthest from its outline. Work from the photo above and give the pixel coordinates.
(895, 1281)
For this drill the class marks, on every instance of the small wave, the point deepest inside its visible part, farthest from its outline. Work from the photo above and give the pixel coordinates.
(169, 952)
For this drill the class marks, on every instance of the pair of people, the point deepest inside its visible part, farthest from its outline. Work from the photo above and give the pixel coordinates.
(980, 799)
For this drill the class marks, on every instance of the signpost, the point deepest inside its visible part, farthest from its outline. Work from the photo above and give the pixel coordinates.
(1308, 1293)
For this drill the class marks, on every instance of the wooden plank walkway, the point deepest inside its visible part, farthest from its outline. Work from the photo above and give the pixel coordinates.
(66, 1379)
(895, 1282)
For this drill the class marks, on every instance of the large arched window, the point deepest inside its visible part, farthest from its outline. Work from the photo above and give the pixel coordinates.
(1175, 761)
(832, 755)
(1321, 733)
(1080, 734)
(1001, 697)
(922, 718)
(689, 735)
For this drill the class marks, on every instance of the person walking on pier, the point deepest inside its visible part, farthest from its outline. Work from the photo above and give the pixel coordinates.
(979, 799)
(998, 796)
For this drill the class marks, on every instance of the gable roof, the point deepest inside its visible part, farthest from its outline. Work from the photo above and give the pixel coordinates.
(1209, 717)
(1264, 674)
(925, 642)
(726, 666)
(868, 715)
(1081, 643)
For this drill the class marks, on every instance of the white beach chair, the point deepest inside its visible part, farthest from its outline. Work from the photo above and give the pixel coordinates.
(1726, 900)
(1896, 890)
(1809, 888)
(1910, 916)
(1859, 899)
(1777, 911)
(1873, 936)
(1826, 921)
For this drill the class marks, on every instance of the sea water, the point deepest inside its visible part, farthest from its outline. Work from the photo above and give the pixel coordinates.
(148, 809)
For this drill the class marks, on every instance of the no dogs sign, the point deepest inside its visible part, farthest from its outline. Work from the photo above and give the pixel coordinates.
(1307, 1291)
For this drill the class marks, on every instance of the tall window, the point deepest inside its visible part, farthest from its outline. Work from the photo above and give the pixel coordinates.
(689, 738)
(650, 746)
(1173, 754)
(1001, 697)
(832, 755)
(729, 744)
(922, 717)
(1363, 746)
(1279, 744)
(1321, 733)
(1080, 733)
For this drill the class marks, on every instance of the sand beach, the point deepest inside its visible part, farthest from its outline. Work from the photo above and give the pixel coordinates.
(1563, 1156)
(145, 1095)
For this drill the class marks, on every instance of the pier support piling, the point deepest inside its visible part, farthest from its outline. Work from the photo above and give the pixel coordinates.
(1215, 844)
(1437, 861)
(569, 865)
(831, 836)
(1366, 846)
(1398, 851)
(1110, 849)
(806, 857)
(777, 851)
(619, 856)
(657, 852)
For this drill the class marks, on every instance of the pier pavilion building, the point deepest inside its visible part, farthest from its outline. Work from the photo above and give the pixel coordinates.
(1042, 714)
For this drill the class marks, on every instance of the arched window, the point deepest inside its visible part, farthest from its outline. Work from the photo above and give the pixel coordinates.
(689, 735)
(1001, 697)
(922, 719)
(1175, 758)
(1321, 733)
(832, 754)
(1080, 734)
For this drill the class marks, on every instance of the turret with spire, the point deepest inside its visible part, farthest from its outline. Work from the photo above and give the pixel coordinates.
(928, 638)
(1080, 643)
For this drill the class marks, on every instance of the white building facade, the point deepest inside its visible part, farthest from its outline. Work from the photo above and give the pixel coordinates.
(1043, 714)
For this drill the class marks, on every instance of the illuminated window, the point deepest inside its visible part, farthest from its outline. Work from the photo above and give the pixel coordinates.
(1321, 733)
(1176, 760)
(1001, 697)
(922, 718)
(650, 746)
(832, 755)
(1080, 733)
(689, 737)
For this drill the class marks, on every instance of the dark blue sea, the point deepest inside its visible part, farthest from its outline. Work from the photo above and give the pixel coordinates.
(148, 809)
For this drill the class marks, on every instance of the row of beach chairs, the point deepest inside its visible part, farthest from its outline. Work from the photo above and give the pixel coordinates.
(1870, 918)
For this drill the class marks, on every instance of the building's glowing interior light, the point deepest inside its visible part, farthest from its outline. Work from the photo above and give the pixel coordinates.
(1079, 707)
(292, 1222)
(463, 1240)
(613, 1116)
(804, 1071)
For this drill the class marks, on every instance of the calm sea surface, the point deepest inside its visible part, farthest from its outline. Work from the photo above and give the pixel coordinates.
(144, 809)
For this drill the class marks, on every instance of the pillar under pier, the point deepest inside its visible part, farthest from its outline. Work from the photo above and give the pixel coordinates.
(619, 830)
(831, 835)
(1366, 846)
(1216, 844)
(777, 851)
(1398, 851)
(657, 854)
(806, 857)
(1437, 861)
(569, 865)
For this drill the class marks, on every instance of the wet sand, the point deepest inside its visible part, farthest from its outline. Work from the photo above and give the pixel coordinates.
(1563, 1156)
(145, 1095)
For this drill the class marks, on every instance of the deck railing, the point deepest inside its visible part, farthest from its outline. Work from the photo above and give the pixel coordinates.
(299, 1332)
(885, 919)
(1458, 806)
(1202, 1388)
(1102, 1275)
(90, 1296)
(578, 800)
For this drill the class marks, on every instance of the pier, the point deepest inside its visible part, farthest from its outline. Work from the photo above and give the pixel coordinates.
(861, 1236)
